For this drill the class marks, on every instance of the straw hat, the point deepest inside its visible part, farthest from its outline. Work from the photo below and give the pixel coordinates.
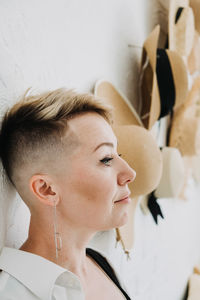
(193, 61)
(185, 128)
(140, 150)
(124, 112)
(195, 4)
(181, 27)
(164, 81)
(172, 179)
(137, 145)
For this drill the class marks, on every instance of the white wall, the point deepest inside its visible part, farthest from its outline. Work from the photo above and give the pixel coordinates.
(49, 44)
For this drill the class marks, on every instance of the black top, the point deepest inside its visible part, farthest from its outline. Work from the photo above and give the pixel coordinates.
(103, 263)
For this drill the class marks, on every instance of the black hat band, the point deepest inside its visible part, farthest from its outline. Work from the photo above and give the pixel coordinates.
(165, 83)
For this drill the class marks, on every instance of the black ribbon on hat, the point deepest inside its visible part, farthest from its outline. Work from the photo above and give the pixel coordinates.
(165, 83)
(178, 13)
(154, 207)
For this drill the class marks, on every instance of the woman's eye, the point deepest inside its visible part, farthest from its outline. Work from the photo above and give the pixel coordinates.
(106, 160)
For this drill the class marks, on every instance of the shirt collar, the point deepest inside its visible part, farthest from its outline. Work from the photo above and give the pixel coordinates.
(35, 272)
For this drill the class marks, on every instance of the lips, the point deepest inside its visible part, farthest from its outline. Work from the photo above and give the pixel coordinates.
(125, 198)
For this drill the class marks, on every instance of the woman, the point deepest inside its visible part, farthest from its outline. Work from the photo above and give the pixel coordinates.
(60, 152)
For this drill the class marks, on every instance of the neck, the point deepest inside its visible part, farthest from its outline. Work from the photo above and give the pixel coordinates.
(72, 255)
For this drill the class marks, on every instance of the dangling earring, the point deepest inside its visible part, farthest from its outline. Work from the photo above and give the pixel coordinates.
(57, 236)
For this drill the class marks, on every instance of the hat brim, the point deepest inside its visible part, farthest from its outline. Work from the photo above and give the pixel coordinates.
(195, 5)
(181, 32)
(140, 150)
(172, 179)
(124, 112)
(149, 87)
(193, 61)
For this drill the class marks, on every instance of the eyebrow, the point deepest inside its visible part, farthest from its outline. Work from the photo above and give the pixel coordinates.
(104, 144)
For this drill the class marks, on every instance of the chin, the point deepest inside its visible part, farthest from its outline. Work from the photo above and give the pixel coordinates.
(121, 220)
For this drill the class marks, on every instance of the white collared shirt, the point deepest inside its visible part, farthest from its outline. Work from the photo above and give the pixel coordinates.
(26, 276)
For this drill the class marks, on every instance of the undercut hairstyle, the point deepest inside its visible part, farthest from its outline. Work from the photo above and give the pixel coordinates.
(35, 126)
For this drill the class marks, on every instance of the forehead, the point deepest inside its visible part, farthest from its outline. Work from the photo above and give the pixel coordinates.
(90, 129)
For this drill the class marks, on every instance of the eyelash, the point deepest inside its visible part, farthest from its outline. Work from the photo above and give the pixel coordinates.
(107, 159)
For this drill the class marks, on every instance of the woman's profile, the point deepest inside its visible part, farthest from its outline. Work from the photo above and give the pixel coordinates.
(59, 151)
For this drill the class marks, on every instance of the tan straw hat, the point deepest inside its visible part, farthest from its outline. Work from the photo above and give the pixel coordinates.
(138, 147)
(193, 60)
(140, 150)
(124, 112)
(181, 27)
(172, 179)
(164, 81)
(195, 4)
(185, 128)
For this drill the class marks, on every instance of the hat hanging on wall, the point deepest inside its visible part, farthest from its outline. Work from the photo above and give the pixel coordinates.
(193, 60)
(171, 182)
(195, 5)
(163, 82)
(172, 179)
(185, 128)
(140, 150)
(137, 146)
(181, 27)
(124, 112)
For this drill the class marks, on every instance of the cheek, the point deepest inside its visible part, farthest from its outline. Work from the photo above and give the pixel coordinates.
(94, 184)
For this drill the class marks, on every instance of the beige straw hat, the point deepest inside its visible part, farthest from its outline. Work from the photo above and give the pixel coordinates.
(172, 179)
(185, 128)
(181, 27)
(140, 150)
(164, 81)
(193, 60)
(138, 147)
(195, 4)
(124, 112)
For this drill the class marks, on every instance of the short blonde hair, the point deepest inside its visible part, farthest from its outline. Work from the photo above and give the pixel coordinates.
(40, 121)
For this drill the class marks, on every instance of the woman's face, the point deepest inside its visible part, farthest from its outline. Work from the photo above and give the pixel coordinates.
(93, 177)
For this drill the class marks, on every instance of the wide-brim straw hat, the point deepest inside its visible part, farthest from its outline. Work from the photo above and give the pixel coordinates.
(185, 128)
(140, 150)
(193, 60)
(137, 145)
(195, 4)
(124, 112)
(164, 80)
(172, 179)
(181, 27)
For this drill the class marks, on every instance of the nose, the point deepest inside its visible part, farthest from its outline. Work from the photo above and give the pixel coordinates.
(126, 174)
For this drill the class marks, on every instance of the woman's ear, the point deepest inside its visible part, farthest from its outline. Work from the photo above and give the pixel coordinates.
(43, 188)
